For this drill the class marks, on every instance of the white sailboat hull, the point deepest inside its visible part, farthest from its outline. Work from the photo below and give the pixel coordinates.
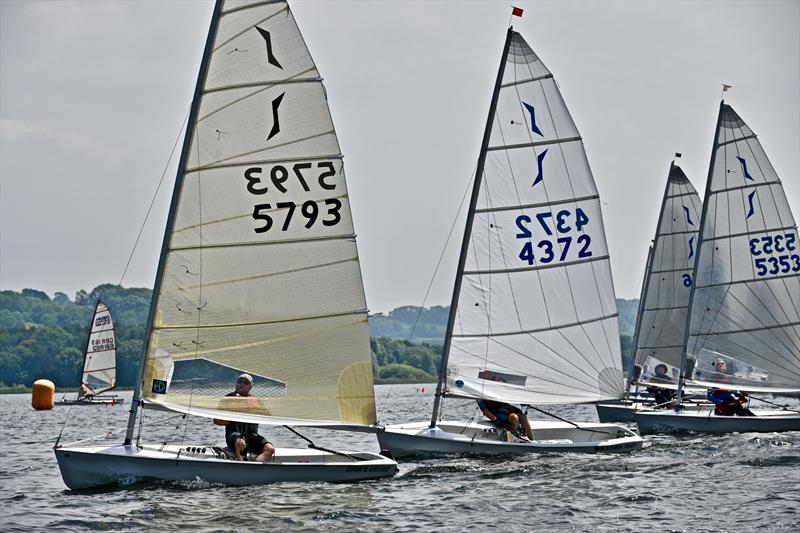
(623, 410)
(97, 400)
(705, 421)
(482, 438)
(94, 466)
(618, 411)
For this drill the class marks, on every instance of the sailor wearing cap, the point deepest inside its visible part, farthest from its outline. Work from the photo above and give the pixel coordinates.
(242, 437)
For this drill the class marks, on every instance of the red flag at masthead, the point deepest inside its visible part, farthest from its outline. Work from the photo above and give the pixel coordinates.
(516, 11)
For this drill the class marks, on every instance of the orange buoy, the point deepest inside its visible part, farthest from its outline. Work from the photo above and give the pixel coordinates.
(43, 395)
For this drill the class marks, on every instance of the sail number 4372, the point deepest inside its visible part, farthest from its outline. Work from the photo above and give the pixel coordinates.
(555, 244)
(766, 263)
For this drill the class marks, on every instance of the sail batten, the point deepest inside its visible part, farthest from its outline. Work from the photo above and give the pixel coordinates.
(740, 282)
(528, 80)
(533, 144)
(549, 327)
(495, 208)
(266, 162)
(526, 269)
(247, 244)
(742, 187)
(737, 140)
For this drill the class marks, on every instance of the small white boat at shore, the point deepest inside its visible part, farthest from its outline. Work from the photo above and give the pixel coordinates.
(99, 372)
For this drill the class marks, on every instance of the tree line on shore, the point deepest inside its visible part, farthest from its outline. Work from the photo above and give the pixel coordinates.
(45, 338)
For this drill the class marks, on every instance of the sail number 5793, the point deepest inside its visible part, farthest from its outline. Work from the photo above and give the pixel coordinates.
(555, 244)
(280, 181)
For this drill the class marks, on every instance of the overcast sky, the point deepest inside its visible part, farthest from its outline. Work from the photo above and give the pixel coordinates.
(93, 94)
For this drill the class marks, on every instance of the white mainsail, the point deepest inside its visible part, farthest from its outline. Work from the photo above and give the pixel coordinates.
(261, 273)
(536, 314)
(663, 306)
(100, 364)
(745, 307)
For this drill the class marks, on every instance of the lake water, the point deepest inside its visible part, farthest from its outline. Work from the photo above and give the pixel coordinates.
(686, 483)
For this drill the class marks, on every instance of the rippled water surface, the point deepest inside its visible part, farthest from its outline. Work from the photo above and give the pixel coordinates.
(739, 482)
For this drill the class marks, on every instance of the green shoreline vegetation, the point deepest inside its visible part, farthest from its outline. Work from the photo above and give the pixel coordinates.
(44, 338)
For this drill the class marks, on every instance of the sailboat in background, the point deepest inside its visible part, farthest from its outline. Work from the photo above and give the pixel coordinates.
(744, 307)
(99, 373)
(661, 318)
(533, 319)
(259, 273)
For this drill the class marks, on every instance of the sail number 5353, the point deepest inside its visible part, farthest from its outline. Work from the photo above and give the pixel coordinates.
(556, 226)
(769, 264)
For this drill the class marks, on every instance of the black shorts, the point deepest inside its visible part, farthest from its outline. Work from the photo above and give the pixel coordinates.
(505, 411)
(255, 442)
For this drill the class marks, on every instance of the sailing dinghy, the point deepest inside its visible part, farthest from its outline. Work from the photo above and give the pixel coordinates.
(99, 373)
(533, 318)
(661, 317)
(259, 274)
(744, 307)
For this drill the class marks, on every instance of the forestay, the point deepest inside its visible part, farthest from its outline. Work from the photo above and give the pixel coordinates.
(261, 272)
(100, 363)
(536, 315)
(746, 303)
(668, 280)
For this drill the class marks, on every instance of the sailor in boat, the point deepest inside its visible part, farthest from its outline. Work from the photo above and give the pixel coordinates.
(86, 392)
(506, 416)
(242, 437)
(663, 397)
(728, 403)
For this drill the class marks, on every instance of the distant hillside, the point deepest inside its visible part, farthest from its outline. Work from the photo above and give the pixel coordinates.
(43, 337)
(429, 324)
(627, 315)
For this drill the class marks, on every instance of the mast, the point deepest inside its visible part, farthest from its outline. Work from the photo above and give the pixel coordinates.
(682, 375)
(468, 227)
(646, 281)
(201, 78)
